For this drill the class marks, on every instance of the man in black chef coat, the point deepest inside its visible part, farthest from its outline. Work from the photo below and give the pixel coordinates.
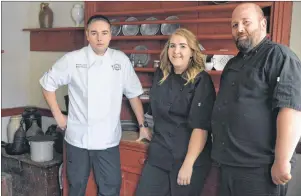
(256, 111)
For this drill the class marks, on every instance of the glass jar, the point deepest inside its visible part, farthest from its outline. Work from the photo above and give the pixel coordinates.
(156, 63)
(139, 64)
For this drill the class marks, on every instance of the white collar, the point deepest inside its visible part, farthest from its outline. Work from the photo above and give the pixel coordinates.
(92, 56)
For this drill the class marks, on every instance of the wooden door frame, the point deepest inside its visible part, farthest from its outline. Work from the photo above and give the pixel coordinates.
(281, 27)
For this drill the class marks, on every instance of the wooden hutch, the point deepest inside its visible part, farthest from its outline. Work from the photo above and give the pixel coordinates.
(208, 21)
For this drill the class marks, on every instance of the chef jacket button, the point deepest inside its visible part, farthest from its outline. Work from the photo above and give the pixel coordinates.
(181, 89)
(223, 143)
(218, 108)
(233, 83)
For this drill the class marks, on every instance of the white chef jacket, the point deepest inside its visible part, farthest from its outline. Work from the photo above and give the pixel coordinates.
(96, 85)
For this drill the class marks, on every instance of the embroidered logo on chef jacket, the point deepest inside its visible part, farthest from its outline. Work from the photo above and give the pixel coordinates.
(116, 67)
(81, 65)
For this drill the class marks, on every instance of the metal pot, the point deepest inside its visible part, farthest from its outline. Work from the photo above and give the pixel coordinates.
(41, 148)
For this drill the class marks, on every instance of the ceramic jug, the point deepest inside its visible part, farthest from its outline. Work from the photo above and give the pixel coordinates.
(12, 127)
(34, 130)
(45, 16)
(77, 14)
(20, 144)
(30, 114)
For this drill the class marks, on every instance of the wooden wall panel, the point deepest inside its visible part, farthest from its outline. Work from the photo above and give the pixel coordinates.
(114, 6)
(223, 11)
(220, 45)
(59, 41)
(282, 13)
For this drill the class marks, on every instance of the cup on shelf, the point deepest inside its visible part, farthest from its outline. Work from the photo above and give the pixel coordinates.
(156, 63)
(139, 64)
(208, 66)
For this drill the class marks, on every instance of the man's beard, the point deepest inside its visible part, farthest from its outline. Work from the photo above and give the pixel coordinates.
(244, 45)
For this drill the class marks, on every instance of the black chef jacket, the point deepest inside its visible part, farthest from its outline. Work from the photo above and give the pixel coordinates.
(177, 109)
(253, 87)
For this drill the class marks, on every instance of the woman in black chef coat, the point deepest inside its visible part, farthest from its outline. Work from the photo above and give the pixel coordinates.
(181, 101)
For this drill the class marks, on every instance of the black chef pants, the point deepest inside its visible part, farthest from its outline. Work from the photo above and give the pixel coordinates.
(106, 167)
(252, 181)
(155, 181)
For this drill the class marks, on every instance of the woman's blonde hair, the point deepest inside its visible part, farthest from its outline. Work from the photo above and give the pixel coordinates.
(196, 63)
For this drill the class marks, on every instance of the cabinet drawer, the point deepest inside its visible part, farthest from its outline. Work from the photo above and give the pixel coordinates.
(131, 158)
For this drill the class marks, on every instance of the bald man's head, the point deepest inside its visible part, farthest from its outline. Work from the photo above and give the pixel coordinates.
(250, 6)
(248, 26)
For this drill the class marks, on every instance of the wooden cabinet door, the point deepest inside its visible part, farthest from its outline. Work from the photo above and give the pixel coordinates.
(91, 189)
(129, 183)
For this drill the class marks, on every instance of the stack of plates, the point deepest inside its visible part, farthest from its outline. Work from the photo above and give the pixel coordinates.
(130, 29)
(115, 28)
(220, 2)
(149, 120)
(220, 61)
(128, 125)
(149, 29)
(143, 58)
(168, 29)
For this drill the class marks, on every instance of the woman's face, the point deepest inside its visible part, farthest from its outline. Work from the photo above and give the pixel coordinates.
(179, 53)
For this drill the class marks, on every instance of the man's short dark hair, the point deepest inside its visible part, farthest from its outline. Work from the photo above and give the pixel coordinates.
(98, 17)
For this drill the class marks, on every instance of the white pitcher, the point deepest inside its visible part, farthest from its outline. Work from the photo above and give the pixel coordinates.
(12, 127)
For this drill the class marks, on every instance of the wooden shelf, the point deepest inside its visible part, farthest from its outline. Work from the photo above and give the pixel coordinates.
(207, 52)
(56, 29)
(61, 39)
(220, 52)
(141, 51)
(200, 20)
(203, 8)
(145, 69)
(214, 73)
(150, 70)
(189, 21)
(165, 37)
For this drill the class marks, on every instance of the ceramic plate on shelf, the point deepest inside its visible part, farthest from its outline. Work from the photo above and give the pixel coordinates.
(130, 29)
(219, 2)
(149, 29)
(143, 58)
(168, 29)
(220, 61)
(115, 28)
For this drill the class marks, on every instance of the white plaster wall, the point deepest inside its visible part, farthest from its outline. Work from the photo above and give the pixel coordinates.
(16, 70)
(295, 45)
(40, 62)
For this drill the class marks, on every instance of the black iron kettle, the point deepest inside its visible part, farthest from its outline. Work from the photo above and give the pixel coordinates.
(20, 144)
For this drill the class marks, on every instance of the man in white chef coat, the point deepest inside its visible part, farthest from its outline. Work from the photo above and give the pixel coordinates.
(97, 77)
